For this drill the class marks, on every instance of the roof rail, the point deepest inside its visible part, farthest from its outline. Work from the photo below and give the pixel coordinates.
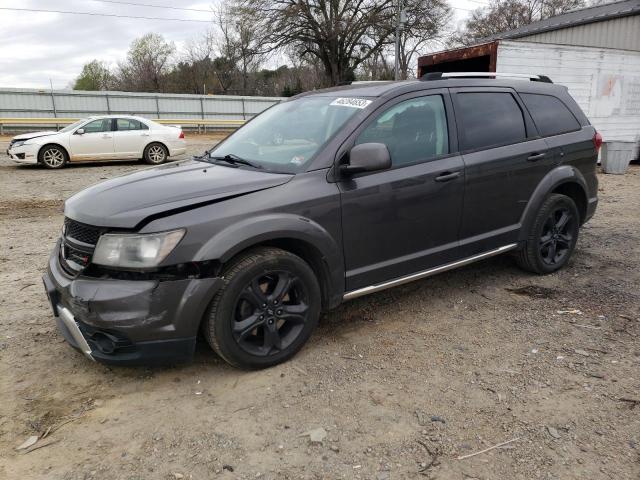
(441, 75)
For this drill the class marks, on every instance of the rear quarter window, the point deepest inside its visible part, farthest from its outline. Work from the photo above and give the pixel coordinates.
(550, 114)
(489, 119)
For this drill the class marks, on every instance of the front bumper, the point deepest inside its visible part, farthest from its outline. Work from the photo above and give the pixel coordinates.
(24, 154)
(128, 322)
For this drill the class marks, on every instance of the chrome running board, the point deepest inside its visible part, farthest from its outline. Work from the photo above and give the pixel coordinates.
(426, 273)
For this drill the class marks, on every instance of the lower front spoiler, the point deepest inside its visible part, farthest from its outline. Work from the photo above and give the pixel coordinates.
(159, 352)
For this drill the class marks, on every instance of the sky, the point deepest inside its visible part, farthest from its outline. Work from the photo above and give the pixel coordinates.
(37, 48)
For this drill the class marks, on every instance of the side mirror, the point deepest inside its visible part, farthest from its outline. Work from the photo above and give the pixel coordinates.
(367, 157)
(80, 131)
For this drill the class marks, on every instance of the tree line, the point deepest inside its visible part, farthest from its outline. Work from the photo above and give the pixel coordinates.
(317, 43)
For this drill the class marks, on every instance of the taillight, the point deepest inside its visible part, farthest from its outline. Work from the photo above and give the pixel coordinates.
(182, 134)
(597, 141)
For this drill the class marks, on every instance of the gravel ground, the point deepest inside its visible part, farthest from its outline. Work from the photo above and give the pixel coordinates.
(403, 382)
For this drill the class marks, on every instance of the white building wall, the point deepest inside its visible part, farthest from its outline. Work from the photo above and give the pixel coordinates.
(605, 82)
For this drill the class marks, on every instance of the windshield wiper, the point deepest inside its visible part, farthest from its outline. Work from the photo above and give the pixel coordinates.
(236, 160)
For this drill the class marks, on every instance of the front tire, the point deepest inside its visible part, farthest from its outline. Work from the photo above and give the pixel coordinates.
(553, 236)
(155, 154)
(266, 309)
(53, 157)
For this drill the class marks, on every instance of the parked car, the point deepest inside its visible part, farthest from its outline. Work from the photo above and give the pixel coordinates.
(109, 137)
(391, 183)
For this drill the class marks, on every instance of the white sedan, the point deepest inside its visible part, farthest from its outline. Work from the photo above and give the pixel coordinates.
(108, 137)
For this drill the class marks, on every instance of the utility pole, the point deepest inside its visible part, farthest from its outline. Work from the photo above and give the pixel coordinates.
(401, 20)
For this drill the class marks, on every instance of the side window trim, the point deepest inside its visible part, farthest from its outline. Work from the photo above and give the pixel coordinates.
(451, 126)
(531, 132)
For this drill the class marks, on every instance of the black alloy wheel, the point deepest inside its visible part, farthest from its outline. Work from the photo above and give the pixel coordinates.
(270, 313)
(266, 309)
(556, 240)
(552, 237)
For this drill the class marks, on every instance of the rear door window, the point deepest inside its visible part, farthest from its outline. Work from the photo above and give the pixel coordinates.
(551, 116)
(129, 124)
(489, 119)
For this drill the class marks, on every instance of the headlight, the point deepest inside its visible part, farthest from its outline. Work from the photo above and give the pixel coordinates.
(135, 250)
(17, 143)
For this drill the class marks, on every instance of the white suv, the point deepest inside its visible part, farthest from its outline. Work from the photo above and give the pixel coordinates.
(106, 137)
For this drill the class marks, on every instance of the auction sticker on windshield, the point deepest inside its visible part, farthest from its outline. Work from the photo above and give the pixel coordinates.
(351, 102)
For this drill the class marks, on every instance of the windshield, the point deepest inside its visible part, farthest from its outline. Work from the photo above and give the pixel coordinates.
(73, 125)
(287, 136)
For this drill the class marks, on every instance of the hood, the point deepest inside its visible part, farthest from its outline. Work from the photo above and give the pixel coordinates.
(27, 136)
(125, 202)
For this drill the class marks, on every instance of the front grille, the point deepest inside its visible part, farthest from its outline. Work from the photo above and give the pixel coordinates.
(81, 232)
(76, 256)
(78, 242)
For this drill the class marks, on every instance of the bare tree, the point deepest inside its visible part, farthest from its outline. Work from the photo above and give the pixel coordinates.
(239, 43)
(338, 34)
(426, 22)
(503, 15)
(147, 64)
(197, 61)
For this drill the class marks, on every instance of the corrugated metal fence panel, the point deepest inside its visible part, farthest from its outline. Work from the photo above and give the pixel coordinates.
(605, 82)
(77, 104)
(25, 101)
(134, 105)
(622, 33)
(34, 103)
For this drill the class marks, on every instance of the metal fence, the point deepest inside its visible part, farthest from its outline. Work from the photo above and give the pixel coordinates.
(68, 104)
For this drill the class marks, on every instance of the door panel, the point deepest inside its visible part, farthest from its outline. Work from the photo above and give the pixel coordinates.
(498, 184)
(129, 139)
(504, 162)
(400, 221)
(95, 144)
(406, 219)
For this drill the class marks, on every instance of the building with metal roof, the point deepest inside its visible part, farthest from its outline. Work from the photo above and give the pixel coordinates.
(593, 51)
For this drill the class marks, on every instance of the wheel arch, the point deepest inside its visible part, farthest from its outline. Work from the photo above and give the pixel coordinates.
(297, 235)
(577, 193)
(53, 144)
(566, 180)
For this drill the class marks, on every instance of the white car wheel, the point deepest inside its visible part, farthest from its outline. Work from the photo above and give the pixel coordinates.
(155, 154)
(53, 157)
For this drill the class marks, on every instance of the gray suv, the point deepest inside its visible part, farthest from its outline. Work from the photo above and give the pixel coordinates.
(326, 197)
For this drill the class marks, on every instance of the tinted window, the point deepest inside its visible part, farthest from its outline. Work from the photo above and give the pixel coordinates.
(550, 115)
(490, 119)
(103, 125)
(414, 130)
(130, 124)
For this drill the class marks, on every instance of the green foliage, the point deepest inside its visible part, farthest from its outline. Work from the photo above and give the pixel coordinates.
(95, 75)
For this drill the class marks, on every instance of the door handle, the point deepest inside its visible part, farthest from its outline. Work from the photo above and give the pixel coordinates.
(534, 157)
(447, 176)
(106, 135)
(144, 134)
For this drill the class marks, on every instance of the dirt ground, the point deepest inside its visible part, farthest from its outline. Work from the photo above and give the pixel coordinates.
(404, 382)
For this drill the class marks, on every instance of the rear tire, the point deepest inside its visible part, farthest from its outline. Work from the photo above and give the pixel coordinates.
(553, 236)
(53, 157)
(155, 154)
(266, 309)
